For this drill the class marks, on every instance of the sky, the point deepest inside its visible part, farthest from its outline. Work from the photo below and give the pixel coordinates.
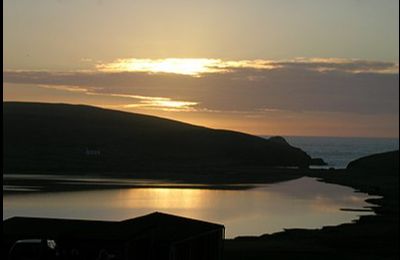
(270, 67)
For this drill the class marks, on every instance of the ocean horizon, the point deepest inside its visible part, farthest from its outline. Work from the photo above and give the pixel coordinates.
(337, 152)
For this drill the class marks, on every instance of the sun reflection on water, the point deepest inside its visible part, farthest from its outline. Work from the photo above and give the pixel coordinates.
(302, 203)
(165, 198)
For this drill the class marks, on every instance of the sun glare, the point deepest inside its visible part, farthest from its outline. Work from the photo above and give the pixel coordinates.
(184, 66)
(172, 65)
(165, 104)
(197, 67)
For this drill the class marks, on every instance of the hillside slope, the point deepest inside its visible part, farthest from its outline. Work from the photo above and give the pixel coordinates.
(42, 137)
(384, 163)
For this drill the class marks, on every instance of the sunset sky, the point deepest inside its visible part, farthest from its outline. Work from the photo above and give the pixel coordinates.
(266, 67)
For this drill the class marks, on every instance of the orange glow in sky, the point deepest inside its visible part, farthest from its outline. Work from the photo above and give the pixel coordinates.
(184, 66)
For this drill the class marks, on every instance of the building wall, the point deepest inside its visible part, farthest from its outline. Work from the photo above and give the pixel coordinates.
(203, 247)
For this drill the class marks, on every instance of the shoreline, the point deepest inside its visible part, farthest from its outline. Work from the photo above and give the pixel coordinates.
(369, 237)
(235, 180)
(350, 240)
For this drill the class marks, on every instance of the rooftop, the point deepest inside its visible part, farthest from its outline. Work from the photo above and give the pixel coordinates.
(164, 227)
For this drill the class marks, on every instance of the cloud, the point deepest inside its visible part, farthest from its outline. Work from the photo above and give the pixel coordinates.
(162, 103)
(342, 65)
(165, 104)
(262, 86)
(193, 67)
(66, 88)
(197, 67)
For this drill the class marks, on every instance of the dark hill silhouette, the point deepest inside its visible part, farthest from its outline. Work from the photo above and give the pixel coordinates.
(385, 163)
(278, 139)
(43, 137)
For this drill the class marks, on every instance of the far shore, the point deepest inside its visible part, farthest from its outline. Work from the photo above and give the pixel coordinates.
(237, 179)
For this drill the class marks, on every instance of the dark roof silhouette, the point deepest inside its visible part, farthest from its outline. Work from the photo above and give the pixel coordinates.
(164, 227)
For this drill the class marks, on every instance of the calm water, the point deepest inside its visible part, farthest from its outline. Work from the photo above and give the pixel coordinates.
(339, 151)
(301, 203)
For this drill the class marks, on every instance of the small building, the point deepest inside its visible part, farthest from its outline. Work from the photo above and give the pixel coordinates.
(92, 151)
(156, 236)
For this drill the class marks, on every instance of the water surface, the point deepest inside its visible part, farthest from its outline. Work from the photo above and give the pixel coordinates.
(339, 151)
(301, 203)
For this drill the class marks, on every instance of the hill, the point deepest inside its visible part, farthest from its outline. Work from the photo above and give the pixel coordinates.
(386, 163)
(51, 138)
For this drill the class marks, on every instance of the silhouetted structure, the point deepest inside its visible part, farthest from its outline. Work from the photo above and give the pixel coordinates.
(154, 236)
(92, 151)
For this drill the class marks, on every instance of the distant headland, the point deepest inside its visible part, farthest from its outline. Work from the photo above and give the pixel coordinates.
(63, 138)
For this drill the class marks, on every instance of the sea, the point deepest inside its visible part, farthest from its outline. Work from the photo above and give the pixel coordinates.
(337, 152)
